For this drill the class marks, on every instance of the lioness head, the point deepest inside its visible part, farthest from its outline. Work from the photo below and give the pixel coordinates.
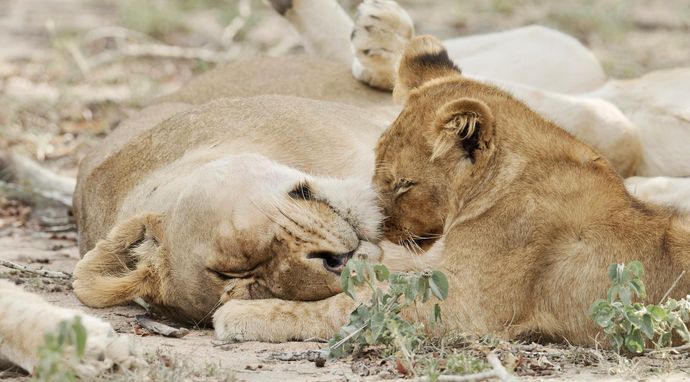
(241, 226)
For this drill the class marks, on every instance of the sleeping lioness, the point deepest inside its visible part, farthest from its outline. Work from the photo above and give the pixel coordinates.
(529, 217)
(254, 196)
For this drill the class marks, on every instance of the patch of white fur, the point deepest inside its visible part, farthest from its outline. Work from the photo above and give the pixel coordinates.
(355, 200)
(534, 55)
(674, 192)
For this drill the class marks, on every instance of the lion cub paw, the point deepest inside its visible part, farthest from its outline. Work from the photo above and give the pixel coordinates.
(106, 350)
(381, 30)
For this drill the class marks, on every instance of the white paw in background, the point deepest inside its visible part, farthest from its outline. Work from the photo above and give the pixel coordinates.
(381, 30)
(106, 350)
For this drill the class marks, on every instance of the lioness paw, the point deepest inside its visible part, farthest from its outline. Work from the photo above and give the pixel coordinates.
(381, 30)
(244, 320)
(106, 350)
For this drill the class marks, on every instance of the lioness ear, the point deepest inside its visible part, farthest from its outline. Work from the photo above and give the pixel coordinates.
(466, 124)
(122, 266)
(424, 59)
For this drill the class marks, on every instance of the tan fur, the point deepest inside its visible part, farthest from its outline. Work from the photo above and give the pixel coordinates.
(187, 204)
(530, 217)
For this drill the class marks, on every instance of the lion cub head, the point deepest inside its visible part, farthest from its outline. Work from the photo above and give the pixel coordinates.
(440, 138)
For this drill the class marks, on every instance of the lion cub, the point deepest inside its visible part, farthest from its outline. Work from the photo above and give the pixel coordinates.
(529, 217)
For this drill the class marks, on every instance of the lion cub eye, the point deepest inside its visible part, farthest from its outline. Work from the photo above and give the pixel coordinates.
(301, 191)
(402, 186)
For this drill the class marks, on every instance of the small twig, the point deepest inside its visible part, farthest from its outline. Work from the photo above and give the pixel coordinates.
(497, 371)
(160, 328)
(668, 292)
(316, 339)
(309, 355)
(40, 272)
(159, 50)
(346, 338)
(669, 349)
(60, 228)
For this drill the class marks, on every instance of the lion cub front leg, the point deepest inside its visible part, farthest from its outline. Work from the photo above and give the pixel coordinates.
(274, 320)
(381, 30)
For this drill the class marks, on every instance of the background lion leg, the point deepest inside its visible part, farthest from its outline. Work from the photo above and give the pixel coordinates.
(273, 320)
(25, 318)
(119, 269)
(323, 26)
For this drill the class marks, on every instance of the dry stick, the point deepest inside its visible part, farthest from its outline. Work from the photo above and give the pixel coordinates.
(40, 272)
(160, 50)
(497, 371)
(669, 349)
(160, 328)
(671, 288)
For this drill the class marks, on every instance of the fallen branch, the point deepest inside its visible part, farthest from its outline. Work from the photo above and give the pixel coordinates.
(669, 349)
(160, 328)
(159, 50)
(497, 372)
(309, 355)
(40, 272)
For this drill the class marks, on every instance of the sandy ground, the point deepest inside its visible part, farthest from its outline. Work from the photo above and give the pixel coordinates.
(65, 83)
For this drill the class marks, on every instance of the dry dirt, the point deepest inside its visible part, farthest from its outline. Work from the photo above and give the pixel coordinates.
(69, 75)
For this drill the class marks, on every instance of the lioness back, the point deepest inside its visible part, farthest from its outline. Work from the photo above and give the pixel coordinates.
(189, 118)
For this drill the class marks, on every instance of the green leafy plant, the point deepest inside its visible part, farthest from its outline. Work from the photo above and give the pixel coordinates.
(61, 351)
(628, 323)
(378, 321)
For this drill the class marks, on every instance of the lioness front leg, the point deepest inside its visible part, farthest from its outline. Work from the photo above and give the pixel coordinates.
(381, 30)
(274, 320)
(25, 318)
(323, 27)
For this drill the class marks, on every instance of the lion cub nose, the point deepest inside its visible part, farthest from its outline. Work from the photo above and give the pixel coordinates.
(368, 251)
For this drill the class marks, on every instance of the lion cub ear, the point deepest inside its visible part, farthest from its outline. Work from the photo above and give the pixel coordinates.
(465, 124)
(424, 59)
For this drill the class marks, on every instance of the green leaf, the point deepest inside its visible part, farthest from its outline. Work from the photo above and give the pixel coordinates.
(657, 313)
(359, 274)
(423, 288)
(647, 326)
(378, 321)
(636, 269)
(613, 273)
(346, 282)
(603, 318)
(638, 287)
(437, 313)
(382, 272)
(634, 342)
(439, 285)
(80, 334)
(625, 295)
(613, 293)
